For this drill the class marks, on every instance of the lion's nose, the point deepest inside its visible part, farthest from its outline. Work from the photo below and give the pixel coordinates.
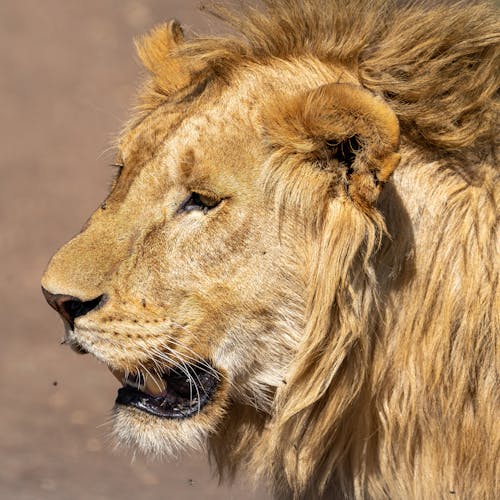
(70, 307)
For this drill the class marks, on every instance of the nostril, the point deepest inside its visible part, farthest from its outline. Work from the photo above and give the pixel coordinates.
(70, 307)
(75, 307)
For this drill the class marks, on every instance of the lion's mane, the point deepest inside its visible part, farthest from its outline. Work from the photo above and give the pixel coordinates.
(395, 378)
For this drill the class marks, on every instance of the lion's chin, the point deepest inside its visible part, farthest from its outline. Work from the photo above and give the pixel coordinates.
(163, 414)
(160, 437)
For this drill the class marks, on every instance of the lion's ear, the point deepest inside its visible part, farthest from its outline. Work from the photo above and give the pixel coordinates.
(341, 130)
(157, 52)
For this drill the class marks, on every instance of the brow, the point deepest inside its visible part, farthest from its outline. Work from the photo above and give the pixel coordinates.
(185, 166)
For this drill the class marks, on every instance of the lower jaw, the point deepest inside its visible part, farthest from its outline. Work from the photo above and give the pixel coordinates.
(184, 422)
(159, 437)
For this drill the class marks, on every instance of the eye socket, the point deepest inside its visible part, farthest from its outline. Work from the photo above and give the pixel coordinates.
(200, 202)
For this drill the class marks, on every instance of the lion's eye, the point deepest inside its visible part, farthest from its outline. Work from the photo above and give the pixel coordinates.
(197, 201)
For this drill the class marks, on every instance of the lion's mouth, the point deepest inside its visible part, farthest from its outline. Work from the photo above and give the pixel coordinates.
(178, 393)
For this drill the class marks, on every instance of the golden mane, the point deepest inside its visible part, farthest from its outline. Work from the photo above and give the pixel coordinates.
(435, 63)
(412, 293)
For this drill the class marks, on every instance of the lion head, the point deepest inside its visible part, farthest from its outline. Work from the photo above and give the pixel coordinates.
(263, 277)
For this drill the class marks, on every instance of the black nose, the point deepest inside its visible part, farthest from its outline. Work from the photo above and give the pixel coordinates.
(70, 307)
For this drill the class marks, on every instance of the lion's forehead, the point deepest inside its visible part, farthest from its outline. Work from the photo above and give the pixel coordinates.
(206, 145)
(202, 144)
(216, 134)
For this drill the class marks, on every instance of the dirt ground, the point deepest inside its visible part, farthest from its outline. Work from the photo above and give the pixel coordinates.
(67, 77)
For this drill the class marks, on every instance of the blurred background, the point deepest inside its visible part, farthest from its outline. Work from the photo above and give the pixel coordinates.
(68, 73)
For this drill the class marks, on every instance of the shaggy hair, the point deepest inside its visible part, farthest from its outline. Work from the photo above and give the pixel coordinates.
(435, 63)
(393, 391)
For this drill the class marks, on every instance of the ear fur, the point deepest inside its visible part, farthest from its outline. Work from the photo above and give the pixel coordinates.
(343, 130)
(332, 150)
(157, 52)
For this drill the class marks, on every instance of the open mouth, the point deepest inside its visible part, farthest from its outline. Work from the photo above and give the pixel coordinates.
(178, 393)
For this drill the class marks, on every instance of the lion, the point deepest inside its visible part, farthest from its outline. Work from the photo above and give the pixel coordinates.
(296, 267)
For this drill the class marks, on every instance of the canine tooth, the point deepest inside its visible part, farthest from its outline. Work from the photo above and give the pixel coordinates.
(154, 385)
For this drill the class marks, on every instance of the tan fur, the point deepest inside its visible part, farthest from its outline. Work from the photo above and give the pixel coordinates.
(351, 305)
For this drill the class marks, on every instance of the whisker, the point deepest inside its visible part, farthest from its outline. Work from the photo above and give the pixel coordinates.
(189, 376)
(200, 362)
(185, 370)
(153, 358)
(208, 366)
(162, 356)
(150, 374)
